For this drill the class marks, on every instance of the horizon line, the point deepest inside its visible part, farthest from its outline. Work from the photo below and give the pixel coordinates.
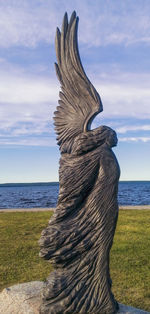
(50, 182)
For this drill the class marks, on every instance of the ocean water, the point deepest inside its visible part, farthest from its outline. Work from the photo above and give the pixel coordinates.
(45, 194)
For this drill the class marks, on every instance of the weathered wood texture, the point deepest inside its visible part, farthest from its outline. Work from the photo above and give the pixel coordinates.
(80, 234)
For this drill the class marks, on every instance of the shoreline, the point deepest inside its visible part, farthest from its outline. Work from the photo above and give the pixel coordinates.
(39, 209)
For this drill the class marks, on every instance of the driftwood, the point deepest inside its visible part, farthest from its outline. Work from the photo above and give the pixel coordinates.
(80, 234)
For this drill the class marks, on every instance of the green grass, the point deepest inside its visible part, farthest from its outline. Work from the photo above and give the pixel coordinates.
(19, 253)
(130, 255)
(130, 259)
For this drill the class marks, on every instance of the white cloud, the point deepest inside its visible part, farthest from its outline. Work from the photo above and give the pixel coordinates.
(30, 141)
(125, 100)
(134, 139)
(27, 90)
(25, 26)
(27, 23)
(51, 141)
(127, 128)
(27, 103)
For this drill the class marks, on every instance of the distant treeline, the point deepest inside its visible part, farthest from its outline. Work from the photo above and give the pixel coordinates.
(57, 183)
(28, 184)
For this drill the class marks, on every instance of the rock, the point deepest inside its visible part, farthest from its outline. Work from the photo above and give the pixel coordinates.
(124, 309)
(25, 298)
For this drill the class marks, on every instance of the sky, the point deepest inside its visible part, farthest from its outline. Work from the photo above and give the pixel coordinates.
(114, 45)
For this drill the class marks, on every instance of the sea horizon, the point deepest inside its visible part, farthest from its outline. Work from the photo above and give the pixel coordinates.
(53, 182)
(45, 194)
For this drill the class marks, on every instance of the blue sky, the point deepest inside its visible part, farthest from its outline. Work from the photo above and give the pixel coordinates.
(114, 45)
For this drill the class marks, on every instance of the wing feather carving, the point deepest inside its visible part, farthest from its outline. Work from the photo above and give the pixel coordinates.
(79, 101)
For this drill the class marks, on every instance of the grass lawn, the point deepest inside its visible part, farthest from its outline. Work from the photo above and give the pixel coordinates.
(130, 255)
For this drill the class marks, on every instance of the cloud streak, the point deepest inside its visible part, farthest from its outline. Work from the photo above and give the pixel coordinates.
(128, 128)
(27, 104)
(31, 141)
(134, 139)
(29, 24)
(125, 100)
(49, 141)
(29, 92)
(25, 97)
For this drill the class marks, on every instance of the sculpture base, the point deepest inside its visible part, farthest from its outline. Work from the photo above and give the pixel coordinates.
(25, 298)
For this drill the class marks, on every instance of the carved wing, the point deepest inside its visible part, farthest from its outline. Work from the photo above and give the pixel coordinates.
(79, 101)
